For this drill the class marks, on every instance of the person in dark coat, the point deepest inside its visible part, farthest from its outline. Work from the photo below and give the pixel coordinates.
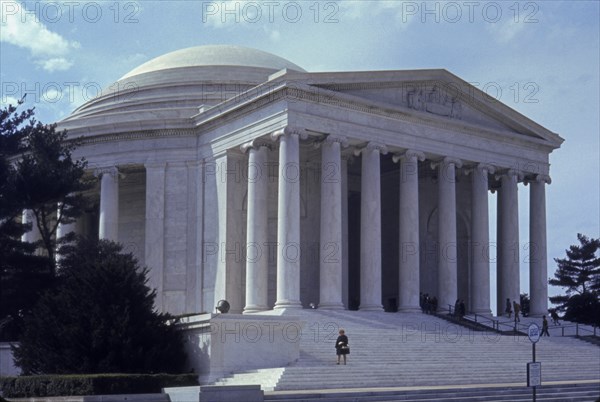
(508, 309)
(461, 309)
(545, 326)
(341, 346)
(434, 305)
(554, 316)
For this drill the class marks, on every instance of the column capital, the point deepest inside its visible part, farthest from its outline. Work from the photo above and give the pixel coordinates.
(372, 146)
(446, 161)
(409, 154)
(289, 130)
(330, 139)
(482, 168)
(256, 143)
(485, 167)
(111, 170)
(538, 178)
(510, 173)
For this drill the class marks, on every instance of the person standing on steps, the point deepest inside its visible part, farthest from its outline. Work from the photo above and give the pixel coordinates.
(462, 309)
(544, 326)
(517, 308)
(554, 316)
(341, 346)
(508, 309)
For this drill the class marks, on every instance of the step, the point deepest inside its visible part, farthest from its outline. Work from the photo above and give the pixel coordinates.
(563, 393)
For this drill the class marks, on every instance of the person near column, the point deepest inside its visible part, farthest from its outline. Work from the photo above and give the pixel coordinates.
(517, 309)
(508, 309)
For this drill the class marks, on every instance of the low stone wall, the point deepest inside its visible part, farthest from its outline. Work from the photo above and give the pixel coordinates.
(236, 393)
(220, 344)
(7, 362)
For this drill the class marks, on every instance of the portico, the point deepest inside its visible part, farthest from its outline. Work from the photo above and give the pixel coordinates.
(345, 190)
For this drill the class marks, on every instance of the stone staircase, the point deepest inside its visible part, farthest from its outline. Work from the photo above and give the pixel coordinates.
(414, 349)
(553, 393)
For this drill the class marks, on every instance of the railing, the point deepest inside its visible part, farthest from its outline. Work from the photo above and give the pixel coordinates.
(478, 319)
(579, 330)
(512, 325)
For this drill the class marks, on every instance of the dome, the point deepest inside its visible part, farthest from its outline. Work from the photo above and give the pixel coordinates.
(214, 55)
(179, 82)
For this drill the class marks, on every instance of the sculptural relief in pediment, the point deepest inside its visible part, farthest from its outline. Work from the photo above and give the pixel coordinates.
(434, 101)
(442, 99)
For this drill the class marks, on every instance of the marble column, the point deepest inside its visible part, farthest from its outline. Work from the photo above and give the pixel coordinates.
(345, 261)
(257, 268)
(63, 229)
(370, 227)
(508, 280)
(330, 296)
(409, 285)
(34, 234)
(288, 222)
(480, 240)
(538, 265)
(155, 228)
(447, 253)
(109, 204)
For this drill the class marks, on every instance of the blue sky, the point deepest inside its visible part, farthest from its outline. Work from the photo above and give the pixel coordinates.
(539, 57)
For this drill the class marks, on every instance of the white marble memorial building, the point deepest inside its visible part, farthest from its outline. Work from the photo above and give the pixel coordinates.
(235, 174)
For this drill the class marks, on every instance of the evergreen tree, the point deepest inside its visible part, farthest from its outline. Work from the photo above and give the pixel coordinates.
(99, 318)
(51, 182)
(37, 172)
(579, 273)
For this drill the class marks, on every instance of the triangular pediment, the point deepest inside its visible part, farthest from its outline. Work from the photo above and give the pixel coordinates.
(433, 99)
(432, 94)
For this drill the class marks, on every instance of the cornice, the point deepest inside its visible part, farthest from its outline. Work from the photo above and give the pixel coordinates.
(135, 135)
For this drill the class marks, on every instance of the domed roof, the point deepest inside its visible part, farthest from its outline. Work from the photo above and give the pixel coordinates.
(181, 81)
(214, 55)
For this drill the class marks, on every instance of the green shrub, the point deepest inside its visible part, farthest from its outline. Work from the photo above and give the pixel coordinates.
(99, 318)
(99, 384)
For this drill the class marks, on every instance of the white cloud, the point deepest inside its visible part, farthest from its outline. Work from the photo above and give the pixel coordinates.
(506, 31)
(55, 64)
(402, 12)
(8, 100)
(24, 30)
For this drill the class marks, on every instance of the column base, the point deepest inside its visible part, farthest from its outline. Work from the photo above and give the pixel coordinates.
(331, 306)
(485, 312)
(287, 304)
(371, 307)
(254, 309)
(409, 309)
